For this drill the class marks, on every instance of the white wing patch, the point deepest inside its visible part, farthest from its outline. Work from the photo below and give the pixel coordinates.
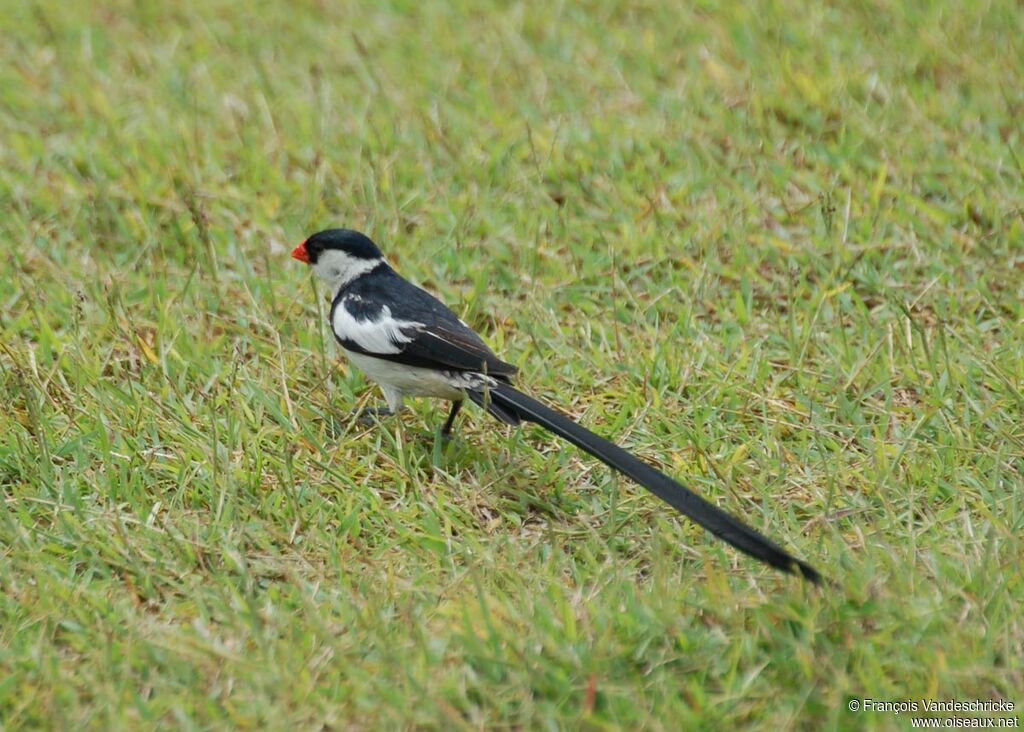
(382, 335)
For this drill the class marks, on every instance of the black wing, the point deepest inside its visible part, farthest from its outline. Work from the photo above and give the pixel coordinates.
(416, 329)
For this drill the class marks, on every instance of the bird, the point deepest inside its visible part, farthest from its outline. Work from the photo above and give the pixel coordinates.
(412, 345)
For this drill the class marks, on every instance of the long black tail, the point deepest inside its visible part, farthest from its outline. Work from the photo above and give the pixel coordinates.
(510, 405)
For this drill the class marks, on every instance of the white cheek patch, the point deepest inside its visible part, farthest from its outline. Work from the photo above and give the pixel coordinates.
(338, 269)
(381, 335)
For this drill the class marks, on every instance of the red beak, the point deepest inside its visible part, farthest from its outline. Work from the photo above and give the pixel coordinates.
(300, 253)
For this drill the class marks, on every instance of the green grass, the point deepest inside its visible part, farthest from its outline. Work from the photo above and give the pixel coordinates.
(777, 248)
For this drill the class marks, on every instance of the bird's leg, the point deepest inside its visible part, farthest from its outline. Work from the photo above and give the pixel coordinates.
(446, 431)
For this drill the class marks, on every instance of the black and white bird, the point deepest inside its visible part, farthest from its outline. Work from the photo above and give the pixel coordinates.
(411, 344)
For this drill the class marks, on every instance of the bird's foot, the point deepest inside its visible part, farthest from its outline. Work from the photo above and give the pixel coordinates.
(367, 416)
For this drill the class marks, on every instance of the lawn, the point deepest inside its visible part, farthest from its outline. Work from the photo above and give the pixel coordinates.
(776, 248)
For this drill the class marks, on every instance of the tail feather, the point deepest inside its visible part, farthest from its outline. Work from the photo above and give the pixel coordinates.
(511, 406)
(496, 410)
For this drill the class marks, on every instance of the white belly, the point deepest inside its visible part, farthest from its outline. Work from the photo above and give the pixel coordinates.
(398, 380)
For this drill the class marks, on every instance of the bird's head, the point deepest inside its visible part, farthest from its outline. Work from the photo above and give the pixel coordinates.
(338, 256)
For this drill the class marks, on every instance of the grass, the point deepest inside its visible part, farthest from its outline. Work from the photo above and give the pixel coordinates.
(775, 247)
